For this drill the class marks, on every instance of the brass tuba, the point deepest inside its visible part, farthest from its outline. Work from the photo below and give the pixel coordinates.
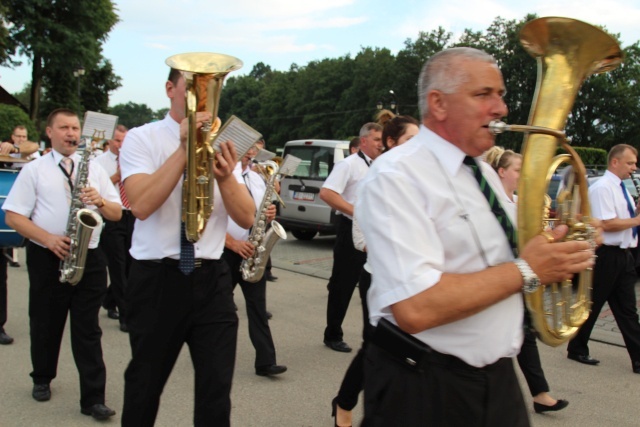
(567, 51)
(204, 74)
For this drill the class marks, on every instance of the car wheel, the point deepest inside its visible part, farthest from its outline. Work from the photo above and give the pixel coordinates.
(304, 234)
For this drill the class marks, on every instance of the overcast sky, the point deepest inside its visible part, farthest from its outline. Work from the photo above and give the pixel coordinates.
(282, 32)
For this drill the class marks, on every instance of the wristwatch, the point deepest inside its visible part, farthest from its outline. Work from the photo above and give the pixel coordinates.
(531, 280)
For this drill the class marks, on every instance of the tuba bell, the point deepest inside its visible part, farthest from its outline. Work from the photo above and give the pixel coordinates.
(204, 74)
(567, 51)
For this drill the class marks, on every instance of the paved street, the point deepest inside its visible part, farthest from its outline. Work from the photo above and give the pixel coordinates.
(605, 395)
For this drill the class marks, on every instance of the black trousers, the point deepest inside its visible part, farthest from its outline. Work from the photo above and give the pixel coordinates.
(614, 281)
(347, 266)
(3, 291)
(353, 381)
(115, 242)
(49, 304)
(445, 393)
(255, 296)
(529, 361)
(166, 310)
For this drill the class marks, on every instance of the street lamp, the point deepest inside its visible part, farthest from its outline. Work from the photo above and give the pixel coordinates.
(393, 103)
(79, 72)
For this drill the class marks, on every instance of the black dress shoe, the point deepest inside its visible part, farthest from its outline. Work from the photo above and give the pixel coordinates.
(112, 313)
(340, 346)
(98, 411)
(265, 371)
(5, 339)
(270, 277)
(636, 367)
(124, 327)
(41, 392)
(269, 315)
(14, 264)
(540, 408)
(583, 358)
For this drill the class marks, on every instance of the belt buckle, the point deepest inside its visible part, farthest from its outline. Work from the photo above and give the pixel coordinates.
(198, 262)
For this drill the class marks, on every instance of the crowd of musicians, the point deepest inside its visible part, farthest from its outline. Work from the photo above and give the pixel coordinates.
(426, 229)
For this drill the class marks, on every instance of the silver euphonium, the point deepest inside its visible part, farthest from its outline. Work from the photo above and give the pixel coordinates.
(263, 240)
(80, 224)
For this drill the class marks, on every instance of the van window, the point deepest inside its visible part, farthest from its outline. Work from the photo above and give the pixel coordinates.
(317, 162)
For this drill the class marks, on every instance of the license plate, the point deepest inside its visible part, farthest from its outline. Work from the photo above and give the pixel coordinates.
(307, 197)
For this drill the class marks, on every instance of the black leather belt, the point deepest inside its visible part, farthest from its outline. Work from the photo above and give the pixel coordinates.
(413, 353)
(199, 262)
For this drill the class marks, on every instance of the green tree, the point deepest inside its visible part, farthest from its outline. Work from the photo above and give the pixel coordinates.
(10, 117)
(58, 36)
(133, 115)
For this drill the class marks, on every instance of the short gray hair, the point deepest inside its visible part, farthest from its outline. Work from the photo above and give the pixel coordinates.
(441, 72)
(366, 129)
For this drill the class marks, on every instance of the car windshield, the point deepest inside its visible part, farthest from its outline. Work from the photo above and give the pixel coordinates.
(316, 161)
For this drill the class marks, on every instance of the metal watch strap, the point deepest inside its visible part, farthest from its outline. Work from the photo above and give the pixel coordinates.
(531, 282)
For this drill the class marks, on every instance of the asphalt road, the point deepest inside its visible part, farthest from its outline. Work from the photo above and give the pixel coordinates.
(604, 395)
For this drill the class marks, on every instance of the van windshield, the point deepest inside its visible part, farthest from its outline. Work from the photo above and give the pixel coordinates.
(317, 162)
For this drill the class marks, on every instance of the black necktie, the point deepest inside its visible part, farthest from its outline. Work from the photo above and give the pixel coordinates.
(495, 205)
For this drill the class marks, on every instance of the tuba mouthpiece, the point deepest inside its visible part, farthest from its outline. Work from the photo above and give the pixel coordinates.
(497, 127)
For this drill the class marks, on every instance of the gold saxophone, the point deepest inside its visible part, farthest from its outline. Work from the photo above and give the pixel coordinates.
(567, 51)
(204, 74)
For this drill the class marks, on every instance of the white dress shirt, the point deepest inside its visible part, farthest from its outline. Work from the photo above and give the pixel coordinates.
(257, 187)
(345, 177)
(608, 202)
(145, 150)
(109, 163)
(422, 214)
(40, 193)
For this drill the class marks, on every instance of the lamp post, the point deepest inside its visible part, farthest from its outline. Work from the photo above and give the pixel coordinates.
(79, 72)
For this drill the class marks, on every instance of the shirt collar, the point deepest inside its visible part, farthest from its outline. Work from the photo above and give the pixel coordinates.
(449, 156)
(57, 156)
(615, 178)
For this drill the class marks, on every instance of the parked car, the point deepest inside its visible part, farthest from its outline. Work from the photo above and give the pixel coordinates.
(303, 213)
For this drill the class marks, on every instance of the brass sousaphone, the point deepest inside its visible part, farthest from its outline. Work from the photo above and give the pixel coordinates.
(204, 74)
(567, 51)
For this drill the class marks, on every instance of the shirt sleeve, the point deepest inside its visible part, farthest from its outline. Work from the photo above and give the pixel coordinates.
(134, 155)
(338, 178)
(22, 196)
(602, 202)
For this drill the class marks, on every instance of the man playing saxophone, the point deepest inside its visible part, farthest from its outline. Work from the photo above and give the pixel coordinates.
(37, 207)
(237, 248)
(179, 292)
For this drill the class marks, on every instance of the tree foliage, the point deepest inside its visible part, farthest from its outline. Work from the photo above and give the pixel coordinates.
(133, 115)
(333, 98)
(58, 37)
(10, 117)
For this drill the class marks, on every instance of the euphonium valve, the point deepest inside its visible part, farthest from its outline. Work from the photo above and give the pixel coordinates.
(204, 74)
(567, 51)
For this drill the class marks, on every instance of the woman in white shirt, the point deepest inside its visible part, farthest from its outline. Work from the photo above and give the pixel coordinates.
(507, 165)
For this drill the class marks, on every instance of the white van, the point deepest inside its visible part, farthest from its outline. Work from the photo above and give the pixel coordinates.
(304, 214)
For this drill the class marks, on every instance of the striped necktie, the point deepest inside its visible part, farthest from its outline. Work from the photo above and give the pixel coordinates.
(495, 205)
(123, 195)
(187, 261)
(632, 211)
